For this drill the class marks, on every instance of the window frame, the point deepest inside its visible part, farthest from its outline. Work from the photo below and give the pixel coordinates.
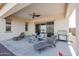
(8, 25)
(26, 26)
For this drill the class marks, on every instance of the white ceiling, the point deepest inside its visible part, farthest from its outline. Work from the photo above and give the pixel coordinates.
(43, 9)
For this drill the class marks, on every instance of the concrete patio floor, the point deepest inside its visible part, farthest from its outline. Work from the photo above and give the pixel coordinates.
(24, 48)
(4, 51)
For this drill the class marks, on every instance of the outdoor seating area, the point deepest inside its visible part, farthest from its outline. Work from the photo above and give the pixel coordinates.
(23, 48)
(32, 46)
(39, 42)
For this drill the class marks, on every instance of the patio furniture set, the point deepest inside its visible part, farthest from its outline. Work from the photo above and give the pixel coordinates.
(41, 43)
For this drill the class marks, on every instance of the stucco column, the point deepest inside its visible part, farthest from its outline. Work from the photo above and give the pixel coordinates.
(77, 29)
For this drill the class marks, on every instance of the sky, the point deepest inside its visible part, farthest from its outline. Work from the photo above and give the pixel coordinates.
(72, 19)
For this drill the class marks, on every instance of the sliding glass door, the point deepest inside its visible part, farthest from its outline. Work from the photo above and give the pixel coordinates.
(47, 28)
(50, 28)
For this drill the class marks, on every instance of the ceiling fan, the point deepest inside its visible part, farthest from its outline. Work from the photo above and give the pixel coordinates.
(35, 15)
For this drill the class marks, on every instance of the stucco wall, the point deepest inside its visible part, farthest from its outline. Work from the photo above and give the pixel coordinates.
(17, 26)
(60, 23)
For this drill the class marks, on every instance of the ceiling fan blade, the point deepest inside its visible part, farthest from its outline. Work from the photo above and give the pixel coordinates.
(34, 15)
(37, 15)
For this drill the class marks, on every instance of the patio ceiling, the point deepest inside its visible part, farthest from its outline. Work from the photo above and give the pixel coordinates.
(46, 10)
(43, 9)
(24, 10)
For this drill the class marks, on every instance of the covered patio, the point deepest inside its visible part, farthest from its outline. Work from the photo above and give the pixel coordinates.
(35, 19)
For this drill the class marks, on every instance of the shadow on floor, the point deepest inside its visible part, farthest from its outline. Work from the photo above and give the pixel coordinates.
(4, 51)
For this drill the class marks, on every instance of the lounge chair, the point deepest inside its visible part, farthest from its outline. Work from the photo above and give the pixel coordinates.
(21, 36)
(50, 42)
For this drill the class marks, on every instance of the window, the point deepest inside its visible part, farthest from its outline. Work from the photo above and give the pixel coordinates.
(26, 26)
(8, 25)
